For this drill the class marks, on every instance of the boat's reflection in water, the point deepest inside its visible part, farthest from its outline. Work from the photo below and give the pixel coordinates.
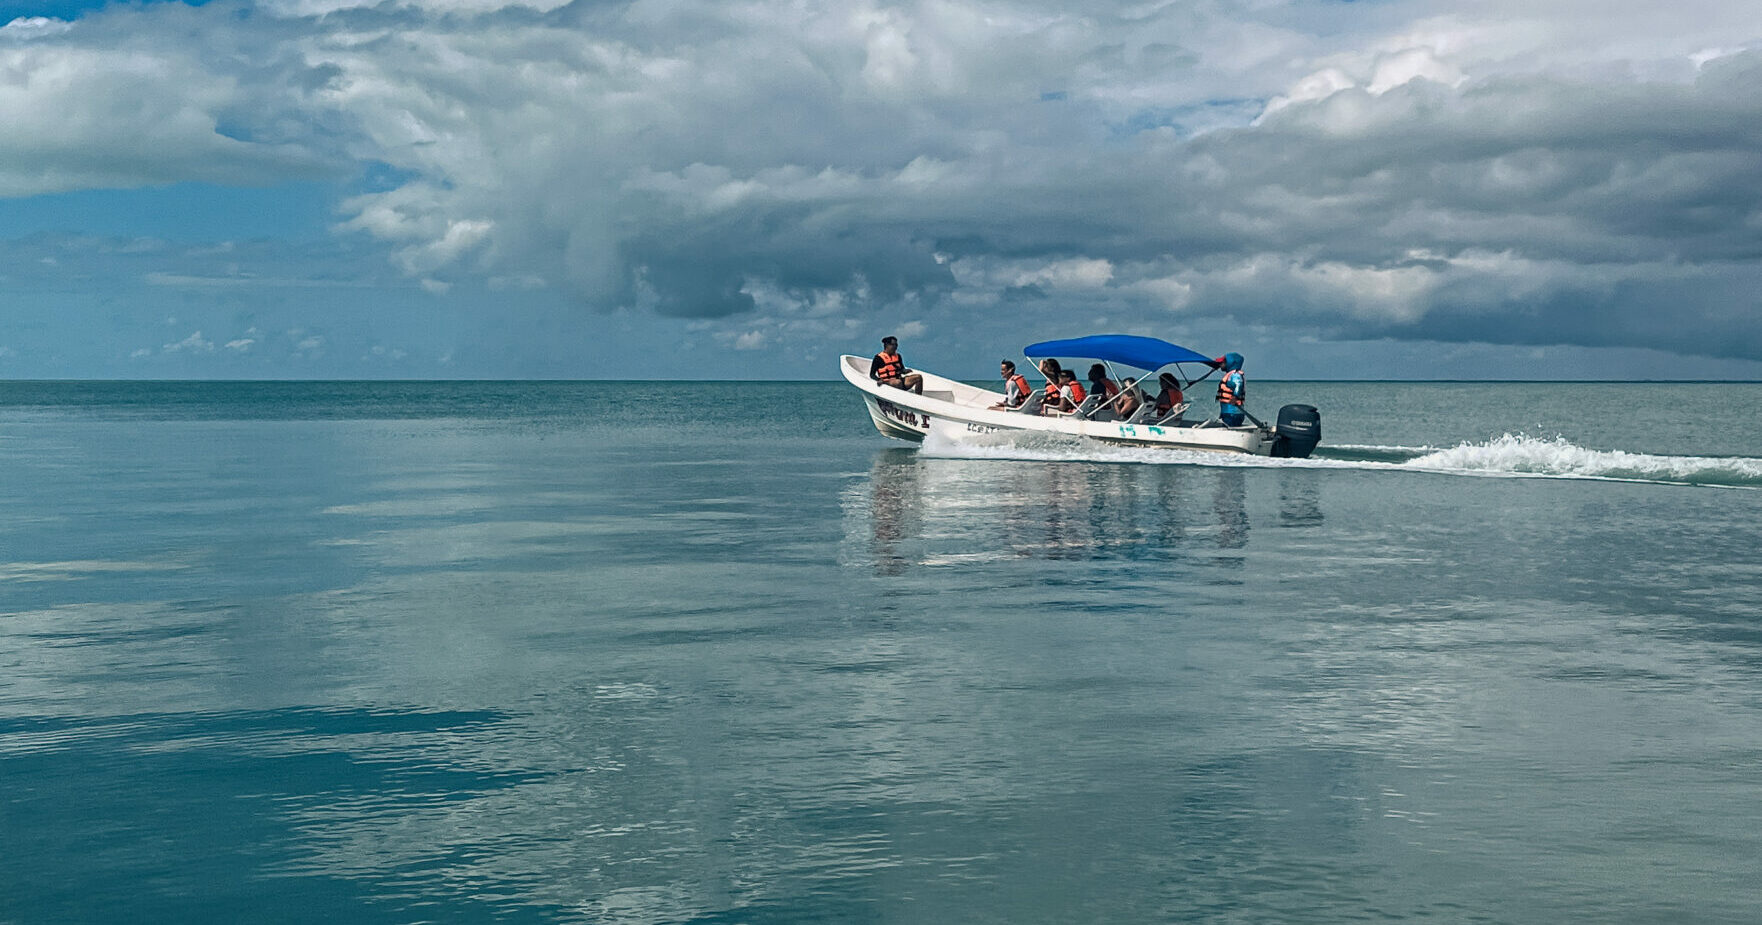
(915, 510)
(1229, 501)
(892, 509)
(1300, 498)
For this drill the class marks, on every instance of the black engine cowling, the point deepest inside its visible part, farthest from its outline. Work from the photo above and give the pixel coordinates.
(1298, 432)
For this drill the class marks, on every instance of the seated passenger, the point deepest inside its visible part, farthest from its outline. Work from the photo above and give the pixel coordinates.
(1126, 403)
(1015, 388)
(1170, 396)
(1100, 385)
(1050, 369)
(889, 369)
(1070, 394)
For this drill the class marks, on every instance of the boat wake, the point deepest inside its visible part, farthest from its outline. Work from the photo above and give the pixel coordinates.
(1509, 456)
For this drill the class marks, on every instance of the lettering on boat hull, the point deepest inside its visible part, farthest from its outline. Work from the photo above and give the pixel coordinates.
(903, 415)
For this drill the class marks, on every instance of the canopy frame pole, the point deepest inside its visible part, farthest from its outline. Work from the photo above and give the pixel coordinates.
(1044, 411)
(1117, 380)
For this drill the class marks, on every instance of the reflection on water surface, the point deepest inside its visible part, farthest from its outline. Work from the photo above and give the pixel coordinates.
(583, 668)
(913, 510)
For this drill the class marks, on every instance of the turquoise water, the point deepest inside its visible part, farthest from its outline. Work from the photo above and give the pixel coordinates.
(670, 652)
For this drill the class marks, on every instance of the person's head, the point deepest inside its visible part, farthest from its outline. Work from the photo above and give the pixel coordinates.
(1009, 368)
(1167, 381)
(1068, 375)
(1232, 362)
(1097, 373)
(1050, 368)
(889, 343)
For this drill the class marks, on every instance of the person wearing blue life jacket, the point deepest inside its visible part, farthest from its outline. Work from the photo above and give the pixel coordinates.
(1232, 390)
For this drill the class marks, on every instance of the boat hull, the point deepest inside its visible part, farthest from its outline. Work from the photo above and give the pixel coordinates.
(897, 422)
(959, 411)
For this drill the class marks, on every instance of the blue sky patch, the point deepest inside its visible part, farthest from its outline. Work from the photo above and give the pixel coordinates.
(191, 212)
(69, 9)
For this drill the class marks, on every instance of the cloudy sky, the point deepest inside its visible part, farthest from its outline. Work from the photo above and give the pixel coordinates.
(746, 188)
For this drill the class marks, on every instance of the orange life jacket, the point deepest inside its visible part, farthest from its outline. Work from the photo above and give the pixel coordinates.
(1167, 399)
(1077, 393)
(1232, 396)
(891, 366)
(1021, 385)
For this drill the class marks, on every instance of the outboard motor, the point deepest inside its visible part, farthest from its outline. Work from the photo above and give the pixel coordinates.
(1298, 432)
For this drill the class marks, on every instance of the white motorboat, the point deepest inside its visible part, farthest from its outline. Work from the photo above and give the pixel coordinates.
(960, 411)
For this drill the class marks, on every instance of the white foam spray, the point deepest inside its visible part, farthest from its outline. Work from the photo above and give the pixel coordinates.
(1524, 455)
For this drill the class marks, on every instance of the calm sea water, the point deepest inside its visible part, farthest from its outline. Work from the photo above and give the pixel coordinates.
(655, 652)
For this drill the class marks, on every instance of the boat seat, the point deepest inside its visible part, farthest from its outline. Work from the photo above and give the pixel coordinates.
(1146, 411)
(1174, 415)
(1032, 405)
(1086, 410)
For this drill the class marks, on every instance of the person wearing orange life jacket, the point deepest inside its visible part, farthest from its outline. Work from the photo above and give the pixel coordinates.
(888, 368)
(1232, 391)
(1170, 394)
(1070, 393)
(1054, 375)
(1100, 385)
(1015, 388)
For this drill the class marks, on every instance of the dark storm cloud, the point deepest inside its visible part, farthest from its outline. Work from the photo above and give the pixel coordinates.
(1520, 211)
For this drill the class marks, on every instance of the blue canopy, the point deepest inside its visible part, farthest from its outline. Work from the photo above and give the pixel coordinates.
(1146, 353)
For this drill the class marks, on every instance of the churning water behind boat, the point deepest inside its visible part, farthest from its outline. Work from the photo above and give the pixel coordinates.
(1509, 455)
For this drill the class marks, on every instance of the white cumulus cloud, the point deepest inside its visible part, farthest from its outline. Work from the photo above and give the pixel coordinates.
(195, 343)
(794, 165)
